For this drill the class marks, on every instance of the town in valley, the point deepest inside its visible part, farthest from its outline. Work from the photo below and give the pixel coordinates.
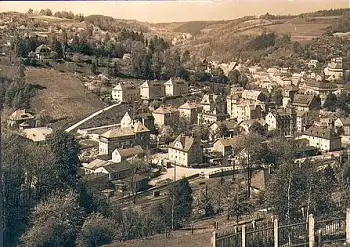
(199, 133)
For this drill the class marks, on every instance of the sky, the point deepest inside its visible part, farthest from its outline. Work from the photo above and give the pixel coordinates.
(178, 10)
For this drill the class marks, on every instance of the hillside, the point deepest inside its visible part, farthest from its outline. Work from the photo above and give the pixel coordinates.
(62, 95)
(223, 41)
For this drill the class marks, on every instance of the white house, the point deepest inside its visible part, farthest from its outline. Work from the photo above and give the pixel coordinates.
(326, 139)
(176, 87)
(185, 151)
(121, 154)
(126, 92)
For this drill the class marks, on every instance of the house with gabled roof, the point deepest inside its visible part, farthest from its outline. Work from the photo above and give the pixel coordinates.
(121, 154)
(19, 117)
(126, 92)
(190, 111)
(326, 139)
(214, 109)
(116, 171)
(343, 124)
(224, 146)
(185, 151)
(152, 90)
(255, 95)
(166, 115)
(306, 102)
(176, 87)
(124, 137)
(283, 120)
(141, 114)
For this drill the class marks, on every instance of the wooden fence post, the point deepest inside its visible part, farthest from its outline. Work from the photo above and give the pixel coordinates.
(347, 225)
(275, 233)
(311, 224)
(213, 239)
(243, 236)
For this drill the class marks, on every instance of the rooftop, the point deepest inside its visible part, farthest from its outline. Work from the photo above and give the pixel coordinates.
(325, 133)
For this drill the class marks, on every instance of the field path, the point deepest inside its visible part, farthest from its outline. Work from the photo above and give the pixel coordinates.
(90, 117)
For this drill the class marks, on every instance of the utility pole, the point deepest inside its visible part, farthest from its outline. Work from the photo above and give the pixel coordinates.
(233, 168)
(1, 190)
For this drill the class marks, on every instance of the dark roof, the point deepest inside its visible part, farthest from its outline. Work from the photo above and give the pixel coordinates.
(129, 152)
(325, 133)
(303, 99)
(186, 142)
(118, 167)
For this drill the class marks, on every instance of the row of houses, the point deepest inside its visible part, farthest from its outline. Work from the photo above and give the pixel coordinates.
(149, 90)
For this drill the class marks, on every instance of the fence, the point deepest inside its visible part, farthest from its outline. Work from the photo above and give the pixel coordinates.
(312, 233)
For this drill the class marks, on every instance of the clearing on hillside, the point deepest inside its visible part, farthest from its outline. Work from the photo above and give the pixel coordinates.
(63, 96)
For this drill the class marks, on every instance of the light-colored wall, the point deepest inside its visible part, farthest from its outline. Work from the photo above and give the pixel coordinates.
(323, 144)
(116, 158)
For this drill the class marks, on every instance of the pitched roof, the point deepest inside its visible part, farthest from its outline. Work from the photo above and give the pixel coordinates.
(148, 83)
(190, 105)
(230, 124)
(186, 143)
(303, 99)
(165, 110)
(129, 152)
(345, 121)
(325, 133)
(321, 84)
(37, 134)
(118, 132)
(20, 115)
(227, 142)
(126, 86)
(177, 81)
(138, 127)
(212, 98)
(42, 47)
(252, 94)
(96, 164)
(118, 167)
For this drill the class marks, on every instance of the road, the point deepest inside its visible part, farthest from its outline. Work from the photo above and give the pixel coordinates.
(90, 117)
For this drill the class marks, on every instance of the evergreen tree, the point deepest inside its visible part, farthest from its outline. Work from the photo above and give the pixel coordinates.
(179, 203)
(65, 150)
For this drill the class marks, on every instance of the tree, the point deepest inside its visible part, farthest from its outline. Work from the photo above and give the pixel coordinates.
(55, 222)
(185, 57)
(257, 128)
(65, 149)
(178, 203)
(331, 102)
(96, 231)
(256, 154)
(239, 204)
(57, 47)
(138, 59)
(48, 12)
(297, 191)
(30, 11)
(205, 203)
(344, 103)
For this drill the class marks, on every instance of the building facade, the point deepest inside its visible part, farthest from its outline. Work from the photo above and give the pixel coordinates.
(126, 92)
(185, 151)
(176, 87)
(152, 90)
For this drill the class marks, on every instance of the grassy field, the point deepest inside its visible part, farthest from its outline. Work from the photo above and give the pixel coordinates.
(63, 95)
(179, 239)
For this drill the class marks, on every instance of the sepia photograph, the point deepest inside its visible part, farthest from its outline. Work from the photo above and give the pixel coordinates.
(175, 123)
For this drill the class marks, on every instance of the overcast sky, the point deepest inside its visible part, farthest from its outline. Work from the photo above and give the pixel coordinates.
(179, 10)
